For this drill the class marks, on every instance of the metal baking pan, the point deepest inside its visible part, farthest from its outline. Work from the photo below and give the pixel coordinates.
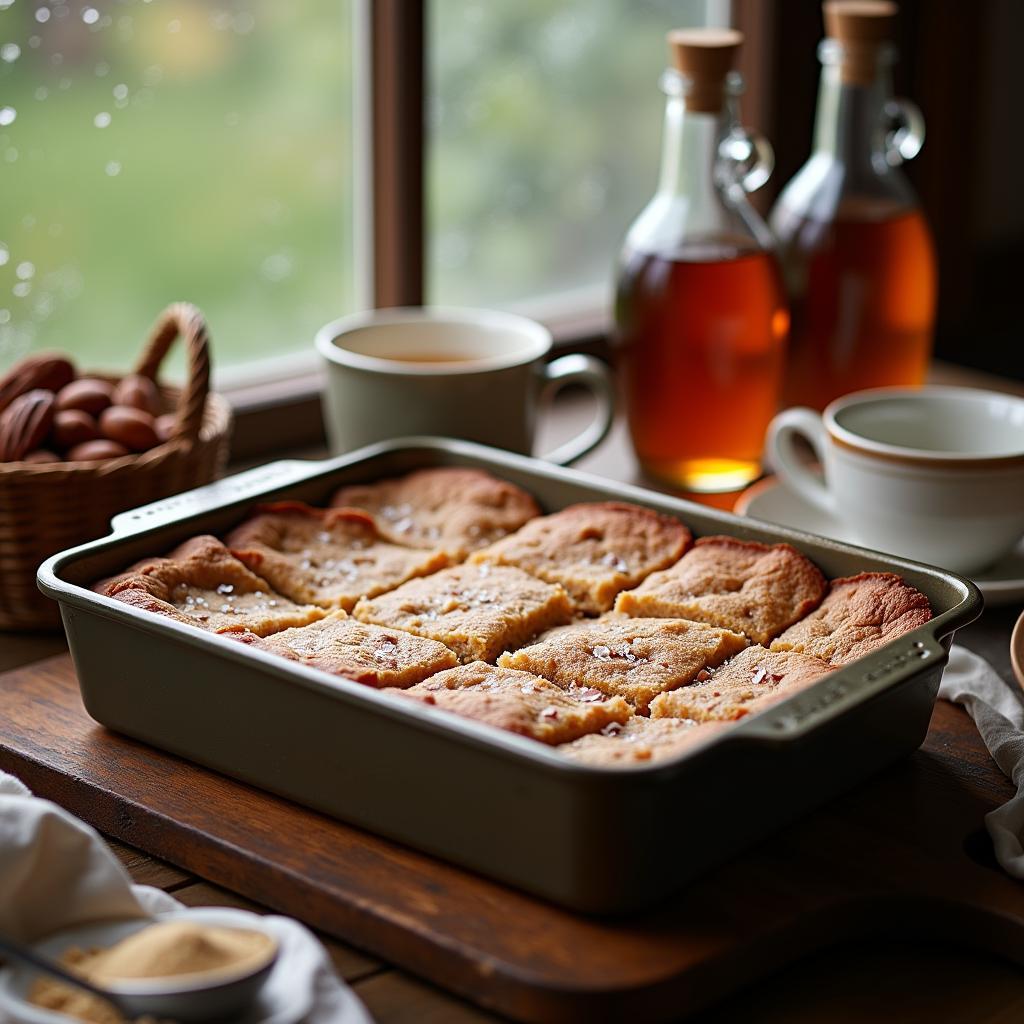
(593, 839)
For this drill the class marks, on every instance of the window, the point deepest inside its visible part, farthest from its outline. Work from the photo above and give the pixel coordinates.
(151, 151)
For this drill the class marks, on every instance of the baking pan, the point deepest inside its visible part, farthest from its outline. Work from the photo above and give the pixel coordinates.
(593, 839)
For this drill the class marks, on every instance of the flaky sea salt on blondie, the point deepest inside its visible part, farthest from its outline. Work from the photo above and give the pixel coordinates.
(366, 654)
(476, 610)
(203, 584)
(453, 508)
(859, 614)
(753, 680)
(632, 658)
(594, 550)
(752, 588)
(640, 741)
(326, 557)
(519, 702)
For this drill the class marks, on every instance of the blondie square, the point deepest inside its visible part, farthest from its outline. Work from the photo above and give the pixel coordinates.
(519, 702)
(455, 509)
(859, 614)
(748, 587)
(632, 658)
(476, 610)
(326, 557)
(753, 680)
(593, 550)
(203, 584)
(640, 741)
(366, 654)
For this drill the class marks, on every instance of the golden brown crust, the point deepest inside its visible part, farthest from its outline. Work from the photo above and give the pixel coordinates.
(361, 652)
(451, 508)
(594, 550)
(859, 614)
(752, 588)
(633, 658)
(753, 680)
(202, 583)
(640, 742)
(519, 702)
(476, 610)
(327, 557)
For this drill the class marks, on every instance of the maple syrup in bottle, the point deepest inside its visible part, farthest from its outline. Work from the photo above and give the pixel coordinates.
(857, 253)
(701, 314)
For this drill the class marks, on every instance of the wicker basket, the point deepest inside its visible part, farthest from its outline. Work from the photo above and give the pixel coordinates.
(46, 508)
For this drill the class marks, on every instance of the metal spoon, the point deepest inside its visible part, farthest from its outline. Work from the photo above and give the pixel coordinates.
(219, 997)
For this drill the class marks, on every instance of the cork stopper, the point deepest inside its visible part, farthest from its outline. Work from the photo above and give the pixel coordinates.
(862, 28)
(705, 56)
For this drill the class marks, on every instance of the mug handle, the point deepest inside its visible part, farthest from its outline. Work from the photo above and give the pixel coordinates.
(780, 446)
(593, 374)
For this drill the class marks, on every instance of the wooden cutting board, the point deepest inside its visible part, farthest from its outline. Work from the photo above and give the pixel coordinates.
(906, 853)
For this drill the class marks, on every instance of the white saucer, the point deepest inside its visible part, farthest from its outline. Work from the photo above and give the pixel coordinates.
(772, 502)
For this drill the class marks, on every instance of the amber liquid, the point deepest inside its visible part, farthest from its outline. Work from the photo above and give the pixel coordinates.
(701, 344)
(863, 304)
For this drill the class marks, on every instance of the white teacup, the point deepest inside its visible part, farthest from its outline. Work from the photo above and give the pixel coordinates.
(935, 474)
(472, 374)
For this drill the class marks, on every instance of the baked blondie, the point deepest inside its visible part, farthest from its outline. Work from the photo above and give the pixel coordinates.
(476, 610)
(640, 741)
(593, 550)
(755, 589)
(519, 702)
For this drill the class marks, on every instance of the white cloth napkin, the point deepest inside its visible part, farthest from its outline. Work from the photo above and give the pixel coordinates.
(56, 873)
(998, 712)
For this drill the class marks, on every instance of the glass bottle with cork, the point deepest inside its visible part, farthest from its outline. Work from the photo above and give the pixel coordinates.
(701, 315)
(856, 251)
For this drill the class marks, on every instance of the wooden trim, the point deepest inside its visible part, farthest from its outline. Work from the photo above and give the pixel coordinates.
(397, 88)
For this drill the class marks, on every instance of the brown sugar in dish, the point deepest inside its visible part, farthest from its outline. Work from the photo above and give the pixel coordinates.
(326, 557)
(451, 508)
(202, 584)
(753, 680)
(859, 614)
(755, 589)
(520, 702)
(640, 742)
(632, 658)
(594, 550)
(477, 611)
(361, 652)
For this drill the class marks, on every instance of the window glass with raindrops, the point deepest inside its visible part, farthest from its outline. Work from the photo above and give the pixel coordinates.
(155, 150)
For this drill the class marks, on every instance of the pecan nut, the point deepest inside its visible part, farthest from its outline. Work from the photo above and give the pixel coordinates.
(46, 370)
(25, 423)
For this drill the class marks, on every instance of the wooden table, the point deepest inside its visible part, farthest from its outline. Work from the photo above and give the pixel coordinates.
(889, 981)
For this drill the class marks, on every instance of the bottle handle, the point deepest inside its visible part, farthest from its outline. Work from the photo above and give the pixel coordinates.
(905, 135)
(745, 158)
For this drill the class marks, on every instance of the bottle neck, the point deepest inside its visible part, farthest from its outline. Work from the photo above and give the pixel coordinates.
(849, 125)
(689, 146)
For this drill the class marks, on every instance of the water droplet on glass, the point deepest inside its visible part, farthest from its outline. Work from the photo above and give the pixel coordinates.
(34, 41)
(21, 289)
(42, 15)
(243, 23)
(102, 69)
(7, 115)
(101, 120)
(113, 168)
(5, 316)
(28, 222)
(120, 91)
(174, 25)
(64, 83)
(10, 52)
(11, 155)
(90, 15)
(56, 59)
(25, 270)
(42, 92)
(277, 266)
(5, 254)
(4, 4)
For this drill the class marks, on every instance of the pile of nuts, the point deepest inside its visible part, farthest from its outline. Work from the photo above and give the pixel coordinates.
(50, 414)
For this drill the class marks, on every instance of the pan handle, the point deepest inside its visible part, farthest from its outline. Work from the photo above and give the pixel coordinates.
(852, 685)
(251, 483)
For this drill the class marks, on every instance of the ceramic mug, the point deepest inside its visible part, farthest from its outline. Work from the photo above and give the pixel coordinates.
(935, 474)
(477, 375)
